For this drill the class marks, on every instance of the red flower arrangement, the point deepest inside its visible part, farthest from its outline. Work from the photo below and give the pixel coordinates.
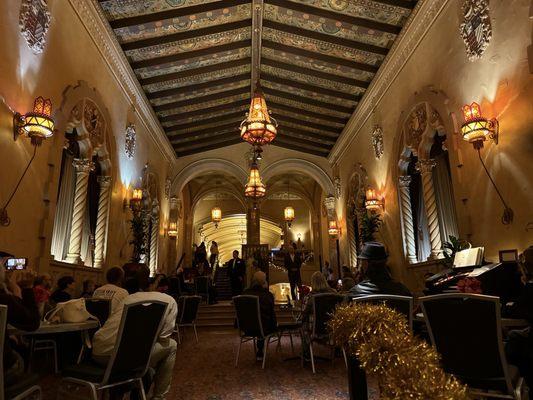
(470, 285)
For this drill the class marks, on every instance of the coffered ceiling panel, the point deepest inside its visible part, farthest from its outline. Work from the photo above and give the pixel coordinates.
(314, 58)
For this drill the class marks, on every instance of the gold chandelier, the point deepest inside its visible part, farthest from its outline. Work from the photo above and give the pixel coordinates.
(254, 188)
(288, 212)
(258, 128)
(216, 212)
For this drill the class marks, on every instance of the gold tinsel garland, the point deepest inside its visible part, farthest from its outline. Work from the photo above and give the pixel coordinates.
(406, 366)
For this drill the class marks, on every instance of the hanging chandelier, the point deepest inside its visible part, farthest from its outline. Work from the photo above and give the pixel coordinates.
(254, 188)
(258, 128)
(216, 212)
(288, 212)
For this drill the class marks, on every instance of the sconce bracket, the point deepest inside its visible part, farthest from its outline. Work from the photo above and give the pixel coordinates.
(18, 123)
(495, 130)
(4, 218)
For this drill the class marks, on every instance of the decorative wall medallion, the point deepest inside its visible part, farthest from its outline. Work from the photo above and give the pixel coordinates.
(476, 29)
(129, 144)
(93, 122)
(416, 126)
(168, 185)
(338, 187)
(34, 20)
(377, 141)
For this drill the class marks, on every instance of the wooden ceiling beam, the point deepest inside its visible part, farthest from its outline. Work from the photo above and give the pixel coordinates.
(201, 99)
(199, 86)
(175, 13)
(211, 146)
(331, 132)
(213, 135)
(306, 100)
(291, 146)
(192, 34)
(196, 71)
(324, 37)
(311, 72)
(311, 137)
(191, 54)
(305, 142)
(233, 124)
(335, 16)
(204, 111)
(201, 122)
(310, 88)
(320, 57)
(408, 4)
(284, 107)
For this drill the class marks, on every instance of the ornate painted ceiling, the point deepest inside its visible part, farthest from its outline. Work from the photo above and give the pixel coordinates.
(195, 60)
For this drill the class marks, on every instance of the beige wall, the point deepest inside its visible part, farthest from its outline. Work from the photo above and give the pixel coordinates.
(70, 56)
(501, 82)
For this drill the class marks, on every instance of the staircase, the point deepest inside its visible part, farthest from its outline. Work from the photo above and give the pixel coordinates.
(223, 283)
(222, 315)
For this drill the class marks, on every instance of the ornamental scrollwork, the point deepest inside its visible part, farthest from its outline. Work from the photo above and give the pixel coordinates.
(130, 139)
(377, 141)
(34, 21)
(476, 29)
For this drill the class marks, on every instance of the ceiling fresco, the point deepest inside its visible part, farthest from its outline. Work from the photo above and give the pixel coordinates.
(193, 59)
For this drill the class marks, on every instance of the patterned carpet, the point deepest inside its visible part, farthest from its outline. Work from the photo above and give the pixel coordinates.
(206, 371)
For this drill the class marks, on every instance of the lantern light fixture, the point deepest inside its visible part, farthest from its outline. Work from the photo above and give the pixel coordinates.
(288, 212)
(258, 128)
(333, 228)
(254, 188)
(216, 215)
(374, 201)
(135, 201)
(476, 128)
(173, 229)
(37, 124)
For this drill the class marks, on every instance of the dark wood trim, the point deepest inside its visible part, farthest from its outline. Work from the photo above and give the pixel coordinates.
(305, 100)
(203, 111)
(319, 56)
(177, 37)
(198, 86)
(328, 130)
(284, 107)
(324, 37)
(234, 125)
(208, 147)
(312, 72)
(349, 19)
(201, 99)
(196, 71)
(310, 88)
(213, 135)
(202, 122)
(287, 145)
(408, 4)
(175, 13)
(191, 54)
(306, 142)
(310, 136)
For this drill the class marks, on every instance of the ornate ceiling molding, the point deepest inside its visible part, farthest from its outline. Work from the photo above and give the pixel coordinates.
(95, 22)
(421, 20)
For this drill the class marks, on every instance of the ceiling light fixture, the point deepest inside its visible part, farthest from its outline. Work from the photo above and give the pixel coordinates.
(258, 128)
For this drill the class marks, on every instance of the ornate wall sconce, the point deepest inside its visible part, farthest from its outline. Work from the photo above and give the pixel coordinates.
(38, 125)
(172, 229)
(374, 201)
(134, 202)
(333, 228)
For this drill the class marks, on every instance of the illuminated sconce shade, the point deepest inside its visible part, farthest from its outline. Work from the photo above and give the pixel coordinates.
(136, 198)
(373, 201)
(333, 229)
(255, 187)
(173, 229)
(216, 215)
(259, 128)
(288, 214)
(37, 124)
(476, 128)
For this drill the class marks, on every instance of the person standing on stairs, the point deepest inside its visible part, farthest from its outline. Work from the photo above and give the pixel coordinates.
(237, 271)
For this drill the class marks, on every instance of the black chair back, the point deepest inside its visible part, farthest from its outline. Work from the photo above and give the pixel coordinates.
(466, 330)
(248, 315)
(139, 328)
(188, 309)
(202, 285)
(402, 304)
(100, 308)
(3, 326)
(323, 308)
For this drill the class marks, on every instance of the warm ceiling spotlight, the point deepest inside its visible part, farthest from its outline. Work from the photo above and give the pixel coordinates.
(373, 201)
(476, 128)
(259, 128)
(216, 216)
(333, 229)
(173, 229)
(254, 187)
(37, 124)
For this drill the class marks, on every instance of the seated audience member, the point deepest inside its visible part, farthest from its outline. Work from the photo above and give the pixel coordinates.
(88, 289)
(42, 290)
(164, 352)
(259, 288)
(346, 285)
(377, 278)
(16, 293)
(113, 289)
(65, 287)
(347, 273)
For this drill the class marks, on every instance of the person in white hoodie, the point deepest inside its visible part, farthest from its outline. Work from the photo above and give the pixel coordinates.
(113, 290)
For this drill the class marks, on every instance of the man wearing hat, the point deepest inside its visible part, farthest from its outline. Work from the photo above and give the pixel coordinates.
(377, 278)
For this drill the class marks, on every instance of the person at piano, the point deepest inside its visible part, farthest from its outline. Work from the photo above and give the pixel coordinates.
(376, 275)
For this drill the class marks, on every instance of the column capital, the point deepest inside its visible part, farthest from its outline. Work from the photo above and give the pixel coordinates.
(404, 181)
(104, 180)
(329, 203)
(425, 166)
(83, 165)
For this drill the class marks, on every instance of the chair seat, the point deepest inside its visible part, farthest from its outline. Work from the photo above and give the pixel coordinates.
(88, 371)
(23, 383)
(289, 326)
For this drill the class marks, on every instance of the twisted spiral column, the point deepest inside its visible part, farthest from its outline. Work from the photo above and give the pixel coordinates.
(83, 167)
(407, 219)
(101, 220)
(154, 235)
(425, 167)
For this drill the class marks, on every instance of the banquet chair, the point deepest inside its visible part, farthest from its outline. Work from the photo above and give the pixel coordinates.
(187, 313)
(466, 330)
(129, 360)
(402, 304)
(248, 313)
(324, 305)
(25, 388)
(100, 308)
(201, 285)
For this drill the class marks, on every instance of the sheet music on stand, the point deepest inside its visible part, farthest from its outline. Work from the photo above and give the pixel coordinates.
(468, 257)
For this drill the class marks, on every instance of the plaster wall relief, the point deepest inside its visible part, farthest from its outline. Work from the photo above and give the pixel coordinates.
(355, 210)
(34, 21)
(377, 141)
(130, 141)
(476, 28)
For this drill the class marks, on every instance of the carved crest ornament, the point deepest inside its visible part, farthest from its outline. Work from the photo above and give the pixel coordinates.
(377, 141)
(34, 20)
(129, 142)
(476, 29)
